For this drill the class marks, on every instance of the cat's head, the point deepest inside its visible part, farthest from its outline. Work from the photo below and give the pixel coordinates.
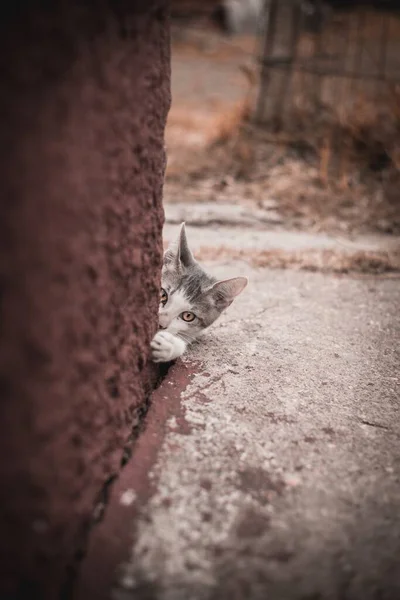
(190, 298)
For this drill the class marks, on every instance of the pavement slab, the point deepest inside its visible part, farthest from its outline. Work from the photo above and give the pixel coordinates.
(276, 473)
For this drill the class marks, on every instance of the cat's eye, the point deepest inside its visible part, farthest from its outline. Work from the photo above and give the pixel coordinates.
(163, 297)
(188, 316)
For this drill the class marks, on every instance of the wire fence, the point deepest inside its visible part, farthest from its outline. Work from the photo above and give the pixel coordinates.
(332, 76)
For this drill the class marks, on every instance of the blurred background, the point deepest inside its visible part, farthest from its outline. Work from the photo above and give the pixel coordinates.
(287, 108)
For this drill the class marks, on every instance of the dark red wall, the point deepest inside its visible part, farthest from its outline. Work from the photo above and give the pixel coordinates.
(84, 99)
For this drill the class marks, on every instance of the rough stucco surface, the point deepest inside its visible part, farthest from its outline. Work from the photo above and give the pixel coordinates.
(84, 102)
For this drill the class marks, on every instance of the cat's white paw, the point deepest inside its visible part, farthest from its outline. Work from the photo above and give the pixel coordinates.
(166, 347)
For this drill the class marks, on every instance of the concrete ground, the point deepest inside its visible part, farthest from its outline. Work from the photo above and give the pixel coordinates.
(274, 448)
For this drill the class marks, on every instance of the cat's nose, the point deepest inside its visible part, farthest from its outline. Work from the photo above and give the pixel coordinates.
(161, 327)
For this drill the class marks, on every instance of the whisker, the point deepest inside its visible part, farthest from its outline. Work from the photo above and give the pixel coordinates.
(185, 337)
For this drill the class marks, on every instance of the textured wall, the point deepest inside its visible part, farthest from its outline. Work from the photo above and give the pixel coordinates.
(85, 95)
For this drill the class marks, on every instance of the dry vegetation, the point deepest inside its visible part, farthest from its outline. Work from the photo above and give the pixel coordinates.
(254, 165)
(315, 185)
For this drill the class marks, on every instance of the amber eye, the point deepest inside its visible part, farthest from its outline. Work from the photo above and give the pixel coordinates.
(163, 297)
(188, 316)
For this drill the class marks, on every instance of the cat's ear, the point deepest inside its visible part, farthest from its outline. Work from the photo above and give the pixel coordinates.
(184, 253)
(179, 253)
(226, 290)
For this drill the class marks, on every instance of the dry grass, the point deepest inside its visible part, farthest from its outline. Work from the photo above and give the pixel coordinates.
(372, 130)
(341, 175)
(363, 137)
(253, 165)
(228, 125)
(325, 261)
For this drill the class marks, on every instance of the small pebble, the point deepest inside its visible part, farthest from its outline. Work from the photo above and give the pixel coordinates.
(128, 497)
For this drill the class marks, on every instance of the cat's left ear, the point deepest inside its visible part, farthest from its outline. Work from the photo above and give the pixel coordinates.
(226, 290)
(185, 255)
(179, 252)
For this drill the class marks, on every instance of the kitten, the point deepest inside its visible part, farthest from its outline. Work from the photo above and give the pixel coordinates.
(190, 300)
